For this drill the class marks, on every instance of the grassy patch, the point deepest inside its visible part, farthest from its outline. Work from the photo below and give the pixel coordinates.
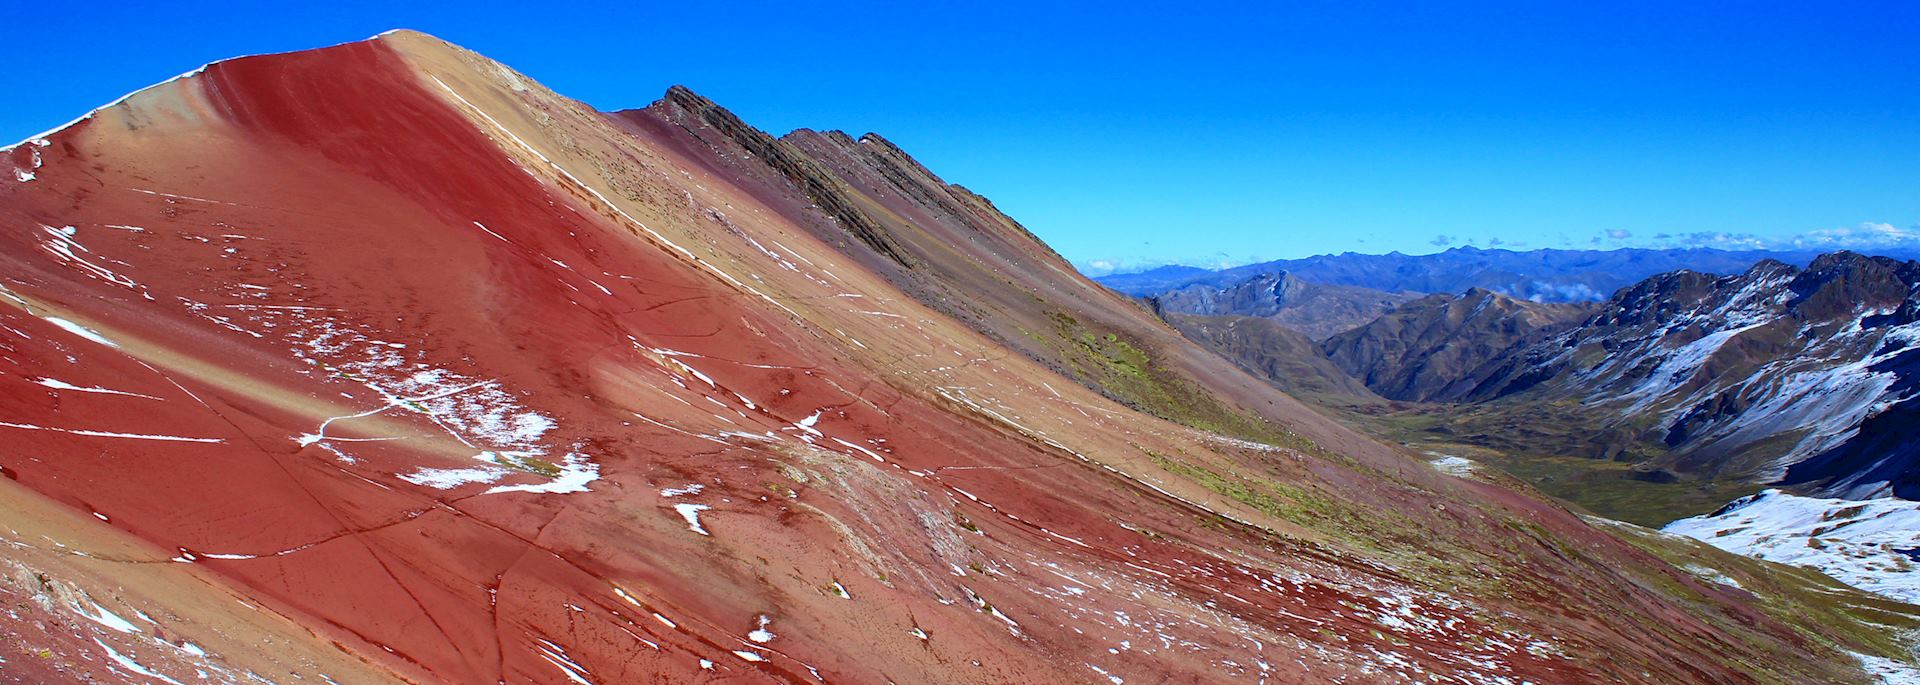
(1128, 372)
(534, 465)
(1277, 500)
(1605, 487)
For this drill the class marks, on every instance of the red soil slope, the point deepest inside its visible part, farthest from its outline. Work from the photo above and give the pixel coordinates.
(380, 362)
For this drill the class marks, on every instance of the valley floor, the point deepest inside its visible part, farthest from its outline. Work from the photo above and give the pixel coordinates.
(1872, 545)
(1615, 489)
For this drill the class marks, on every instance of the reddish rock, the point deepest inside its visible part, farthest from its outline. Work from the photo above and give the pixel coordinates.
(448, 378)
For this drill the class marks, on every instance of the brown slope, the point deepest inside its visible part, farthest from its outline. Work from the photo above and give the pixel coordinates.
(1439, 348)
(520, 295)
(953, 251)
(1283, 356)
(938, 273)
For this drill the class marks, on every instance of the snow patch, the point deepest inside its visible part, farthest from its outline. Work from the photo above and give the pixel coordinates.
(1864, 543)
(1454, 466)
(134, 666)
(691, 489)
(63, 385)
(80, 330)
(553, 654)
(761, 634)
(102, 616)
(447, 479)
(108, 434)
(1888, 671)
(575, 473)
(691, 512)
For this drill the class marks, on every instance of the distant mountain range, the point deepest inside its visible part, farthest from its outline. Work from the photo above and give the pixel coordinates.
(1536, 275)
(1316, 310)
(1775, 375)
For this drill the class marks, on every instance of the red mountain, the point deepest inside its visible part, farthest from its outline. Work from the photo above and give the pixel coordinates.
(382, 363)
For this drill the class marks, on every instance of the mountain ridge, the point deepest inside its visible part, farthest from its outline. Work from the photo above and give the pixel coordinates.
(1671, 372)
(572, 397)
(1545, 274)
(1727, 349)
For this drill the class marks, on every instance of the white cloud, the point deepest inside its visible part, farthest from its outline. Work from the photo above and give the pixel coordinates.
(1869, 234)
(1721, 240)
(1105, 266)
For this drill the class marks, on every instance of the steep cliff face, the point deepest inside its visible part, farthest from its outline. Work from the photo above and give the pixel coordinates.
(1884, 455)
(381, 363)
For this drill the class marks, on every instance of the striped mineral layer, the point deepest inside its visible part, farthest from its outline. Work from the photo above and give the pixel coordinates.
(382, 363)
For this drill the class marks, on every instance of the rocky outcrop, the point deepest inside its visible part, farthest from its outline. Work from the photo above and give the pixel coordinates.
(703, 119)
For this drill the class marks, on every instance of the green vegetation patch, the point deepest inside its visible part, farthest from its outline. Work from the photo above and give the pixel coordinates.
(1127, 372)
(534, 465)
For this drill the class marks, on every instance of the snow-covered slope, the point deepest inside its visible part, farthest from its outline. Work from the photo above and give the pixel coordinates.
(1744, 376)
(1870, 544)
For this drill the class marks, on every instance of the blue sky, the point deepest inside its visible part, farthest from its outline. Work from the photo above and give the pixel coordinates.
(1197, 132)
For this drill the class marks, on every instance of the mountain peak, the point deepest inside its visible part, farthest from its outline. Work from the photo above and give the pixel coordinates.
(871, 138)
(1847, 260)
(406, 34)
(685, 100)
(1845, 282)
(397, 39)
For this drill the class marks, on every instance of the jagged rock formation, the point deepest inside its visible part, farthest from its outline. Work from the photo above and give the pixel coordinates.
(382, 363)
